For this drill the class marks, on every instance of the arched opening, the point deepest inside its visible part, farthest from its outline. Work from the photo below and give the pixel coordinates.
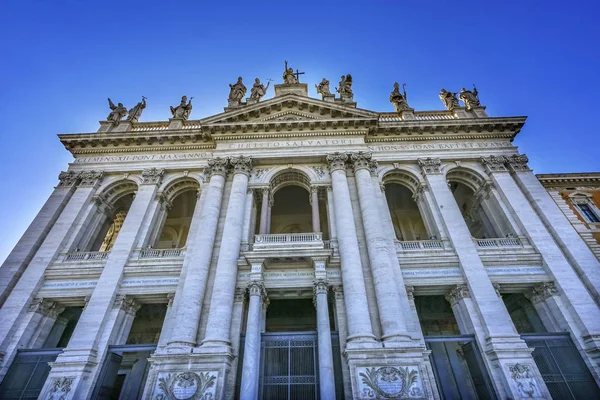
(177, 221)
(291, 211)
(404, 211)
(477, 221)
(112, 224)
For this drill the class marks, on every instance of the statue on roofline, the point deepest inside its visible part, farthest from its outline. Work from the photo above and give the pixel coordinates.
(288, 75)
(237, 92)
(136, 112)
(345, 88)
(449, 99)
(117, 113)
(183, 110)
(258, 89)
(323, 88)
(470, 98)
(398, 99)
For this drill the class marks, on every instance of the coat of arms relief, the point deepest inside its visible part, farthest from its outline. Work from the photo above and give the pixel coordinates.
(390, 382)
(187, 386)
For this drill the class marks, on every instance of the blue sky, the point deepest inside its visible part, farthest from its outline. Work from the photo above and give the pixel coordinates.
(61, 60)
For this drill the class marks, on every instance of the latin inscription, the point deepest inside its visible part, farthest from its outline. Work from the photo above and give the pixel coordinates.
(440, 146)
(146, 157)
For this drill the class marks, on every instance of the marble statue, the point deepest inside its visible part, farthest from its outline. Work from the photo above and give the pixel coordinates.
(323, 88)
(238, 91)
(345, 88)
(118, 112)
(183, 110)
(449, 99)
(398, 99)
(470, 98)
(258, 90)
(288, 75)
(136, 112)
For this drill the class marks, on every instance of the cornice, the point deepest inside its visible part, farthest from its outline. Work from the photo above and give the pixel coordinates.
(291, 135)
(569, 179)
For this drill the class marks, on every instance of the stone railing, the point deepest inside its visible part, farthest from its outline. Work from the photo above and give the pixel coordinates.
(291, 240)
(150, 126)
(86, 255)
(162, 253)
(419, 245)
(419, 116)
(498, 242)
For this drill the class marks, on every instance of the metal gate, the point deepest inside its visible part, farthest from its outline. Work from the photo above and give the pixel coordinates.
(289, 368)
(27, 374)
(565, 373)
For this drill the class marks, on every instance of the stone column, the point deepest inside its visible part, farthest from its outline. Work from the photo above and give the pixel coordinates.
(314, 202)
(247, 230)
(84, 351)
(340, 316)
(22, 294)
(357, 311)
(392, 319)
(570, 242)
(326, 376)
(168, 323)
(221, 304)
(264, 212)
(270, 212)
(250, 368)
(30, 242)
(188, 301)
(502, 345)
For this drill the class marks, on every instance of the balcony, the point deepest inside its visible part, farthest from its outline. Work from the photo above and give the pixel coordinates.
(498, 243)
(419, 245)
(86, 256)
(289, 241)
(162, 253)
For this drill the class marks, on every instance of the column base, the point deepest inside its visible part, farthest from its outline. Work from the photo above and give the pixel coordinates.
(187, 376)
(391, 373)
(73, 375)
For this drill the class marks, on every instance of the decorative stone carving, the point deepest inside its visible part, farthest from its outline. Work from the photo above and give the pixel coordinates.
(518, 162)
(289, 78)
(241, 165)
(419, 191)
(216, 166)
(136, 112)
(152, 176)
(187, 385)
(240, 294)
(525, 380)
(320, 171)
(117, 113)
(46, 307)
(542, 291)
(59, 388)
(399, 100)
(449, 99)
(361, 160)
(90, 178)
(430, 165)
(337, 161)
(494, 163)
(497, 289)
(457, 293)
(373, 165)
(410, 292)
(259, 172)
(170, 298)
(258, 90)
(389, 382)
(67, 179)
(127, 304)
(183, 110)
(338, 292)
(345, 87)
(470, 98)
(236, 93)
(323, 88)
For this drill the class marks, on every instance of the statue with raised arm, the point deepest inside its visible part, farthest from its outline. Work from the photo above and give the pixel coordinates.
(345, 88)
(323, 88)
(288, 75)
(183, 110)
(117, 112)
(470, 98)
(237, 92)
(258, 89)
(136, 112)
(449, 99)
(398, 99)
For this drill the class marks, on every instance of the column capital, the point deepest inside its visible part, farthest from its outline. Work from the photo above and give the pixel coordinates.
(216, 166)
(541, 292)
(90, 178)
(126, 303)
(241, 165)
(266, 191)
(164, 201)
(152, 176)
(430, 166)
(419, 190)
(410, 292)
(518, 162)
(337, 161)
(494, 163)
(47, 308)
(497, 289)
(67, 179)
(320, 286)
(338, 291)
(457, 293)
(170, 298)
(257, 288)
(361, 160)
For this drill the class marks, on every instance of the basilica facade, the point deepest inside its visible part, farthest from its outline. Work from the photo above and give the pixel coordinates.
(304, 248)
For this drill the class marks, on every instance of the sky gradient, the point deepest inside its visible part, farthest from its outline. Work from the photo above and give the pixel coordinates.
(62, 59)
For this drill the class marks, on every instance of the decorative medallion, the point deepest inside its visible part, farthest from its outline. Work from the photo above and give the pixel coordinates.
(389, 383)
(187, 386)
(526, 383)
(60, 388)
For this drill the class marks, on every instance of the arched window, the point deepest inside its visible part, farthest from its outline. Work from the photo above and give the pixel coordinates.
(176, 226)
(405, 213)
(291, 211)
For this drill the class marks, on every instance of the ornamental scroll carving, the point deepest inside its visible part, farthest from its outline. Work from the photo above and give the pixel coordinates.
(361, 160)
(59, 389)
(187, 385)
(67, 179)
(390, 382)
(337, 161)
(46, 307)
(241, 165)
(525, 380)
(541, 292)
(495, 163)
(90, 178)
(152, 176)
(430, 165)
(518, 162)
(457, 293)
(216, 166)
(127, 304)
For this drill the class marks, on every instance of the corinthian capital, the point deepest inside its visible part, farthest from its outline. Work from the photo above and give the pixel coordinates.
(241, 165)
(67, 179)
(430, 165)
(127, 304)
(457, 293)
(216, 166)
(518, 162)
(337, 161)
(541, 291)
(257, 288)
(46, 307)
(90, 178)
(152, 176)
(361, 160)
(494, 163)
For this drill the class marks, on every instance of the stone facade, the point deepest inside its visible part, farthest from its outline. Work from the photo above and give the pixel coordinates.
(242, 249)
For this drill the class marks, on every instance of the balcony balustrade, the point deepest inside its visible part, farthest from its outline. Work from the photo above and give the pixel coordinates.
(419, 245)
(289, 241)
(498, 243)
(86, 255)
(162, 253)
